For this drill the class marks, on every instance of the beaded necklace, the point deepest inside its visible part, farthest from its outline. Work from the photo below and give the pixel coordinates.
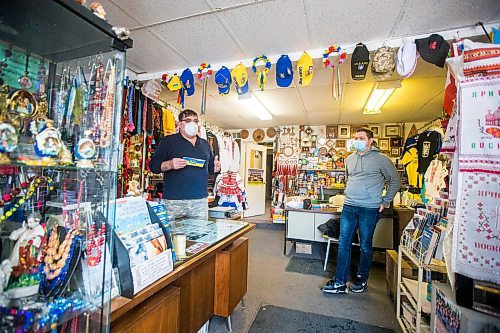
(95, 243)
(107, 116)
(95, 107)
(35, 183)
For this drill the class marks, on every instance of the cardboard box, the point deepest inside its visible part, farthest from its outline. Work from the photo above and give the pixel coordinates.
(304, 248)
(408, 270)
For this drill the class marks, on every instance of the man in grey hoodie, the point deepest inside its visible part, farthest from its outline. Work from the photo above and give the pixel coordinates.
(367, 170)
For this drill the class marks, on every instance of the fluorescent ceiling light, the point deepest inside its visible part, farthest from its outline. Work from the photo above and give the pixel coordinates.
(254, 106)
(379, 95)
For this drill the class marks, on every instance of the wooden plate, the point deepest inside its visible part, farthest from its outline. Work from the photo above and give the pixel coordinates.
(244, 134)
(271, 132)
(258, 135)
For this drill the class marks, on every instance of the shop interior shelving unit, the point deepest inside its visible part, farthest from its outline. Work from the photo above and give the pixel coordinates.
(414, 291)
(62, 34)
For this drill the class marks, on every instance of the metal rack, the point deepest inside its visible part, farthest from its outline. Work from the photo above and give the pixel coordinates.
(413, 290)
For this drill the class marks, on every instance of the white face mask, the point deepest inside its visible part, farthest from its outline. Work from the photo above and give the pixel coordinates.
(191, 128)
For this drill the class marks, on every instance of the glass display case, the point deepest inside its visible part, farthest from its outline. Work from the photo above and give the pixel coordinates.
(61, 85)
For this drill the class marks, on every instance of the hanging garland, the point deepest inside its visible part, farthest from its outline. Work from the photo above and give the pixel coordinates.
(336, 89)
(208, 68)
(261, 75)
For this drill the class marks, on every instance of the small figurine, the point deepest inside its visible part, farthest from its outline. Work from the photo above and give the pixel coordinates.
(98, 10)
(133, 189)
(29, 239)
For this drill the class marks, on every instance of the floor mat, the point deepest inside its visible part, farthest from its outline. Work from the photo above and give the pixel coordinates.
(310, 266)
(273, 319)
(268, 226)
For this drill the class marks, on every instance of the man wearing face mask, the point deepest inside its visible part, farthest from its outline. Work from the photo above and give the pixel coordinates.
(185, 186)
(367, 170)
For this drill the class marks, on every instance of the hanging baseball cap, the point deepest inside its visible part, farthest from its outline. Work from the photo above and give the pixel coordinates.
(187, 80)
(359, 62)
(284, 71)
(175, 83)
(239, 75)
(223, 80)
(433, 49)
(407, 58)
(152, 89)
(383, 63)
(305, 69)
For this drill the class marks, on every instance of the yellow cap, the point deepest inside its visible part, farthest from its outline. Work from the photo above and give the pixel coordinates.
(175, 83)
(239, 75)
(305, 69)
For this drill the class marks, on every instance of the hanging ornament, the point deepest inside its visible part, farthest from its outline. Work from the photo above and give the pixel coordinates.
(204, 68)
(24, 80)
(336, 88)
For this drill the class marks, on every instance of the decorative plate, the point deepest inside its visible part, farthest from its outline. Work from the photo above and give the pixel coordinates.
(271, 132)
(288, 152)
(330, 143)
(244, 134)
(85, 149)
(342, 153)
(258, 135)
(322, 151)
(322, 141)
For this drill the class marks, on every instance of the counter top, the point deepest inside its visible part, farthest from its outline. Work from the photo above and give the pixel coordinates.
(121, 305)
(329, 210)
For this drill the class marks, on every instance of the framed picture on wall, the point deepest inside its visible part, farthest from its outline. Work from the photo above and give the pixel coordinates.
(344, 131)
(354, 128)
(376, 129)
(395, 152)
(340, 143)
(383, 144)
(396, 142)
(305, 149)
(392, 130)
(331, 132)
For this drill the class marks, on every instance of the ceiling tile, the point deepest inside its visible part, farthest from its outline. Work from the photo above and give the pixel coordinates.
(426, 16)
(150, 54)
(319, 99)
(200, 39)
(281, 102)
(117, 16)
(155, 11)
(271, 28)
(351, 22)
(322, 118)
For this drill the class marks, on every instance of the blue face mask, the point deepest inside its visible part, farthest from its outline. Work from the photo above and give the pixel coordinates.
(359, 145)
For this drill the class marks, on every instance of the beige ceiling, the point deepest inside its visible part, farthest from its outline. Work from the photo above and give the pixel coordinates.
(173, 34)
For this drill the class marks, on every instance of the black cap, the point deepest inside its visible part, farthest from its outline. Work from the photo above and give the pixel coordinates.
(433, 49)
(359, 62)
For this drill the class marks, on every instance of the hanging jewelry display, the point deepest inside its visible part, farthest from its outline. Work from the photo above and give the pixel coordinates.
(96, 100)
(61, 97)
(41, 89)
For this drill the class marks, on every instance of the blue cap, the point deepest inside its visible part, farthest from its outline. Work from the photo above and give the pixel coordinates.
(223, 80)
(284, 71)
(187, 80)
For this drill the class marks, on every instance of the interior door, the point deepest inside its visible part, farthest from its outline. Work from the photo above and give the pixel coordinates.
(255, 179)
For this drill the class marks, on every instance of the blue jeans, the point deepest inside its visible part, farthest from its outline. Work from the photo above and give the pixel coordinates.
(351, 219)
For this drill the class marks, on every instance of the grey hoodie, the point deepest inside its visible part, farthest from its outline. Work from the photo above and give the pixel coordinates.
(366, 175)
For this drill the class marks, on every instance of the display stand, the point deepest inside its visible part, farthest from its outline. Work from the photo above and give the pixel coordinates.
(142, 249)
(415, 291)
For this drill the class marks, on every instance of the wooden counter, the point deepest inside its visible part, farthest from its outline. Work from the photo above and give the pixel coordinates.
(189, 290)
